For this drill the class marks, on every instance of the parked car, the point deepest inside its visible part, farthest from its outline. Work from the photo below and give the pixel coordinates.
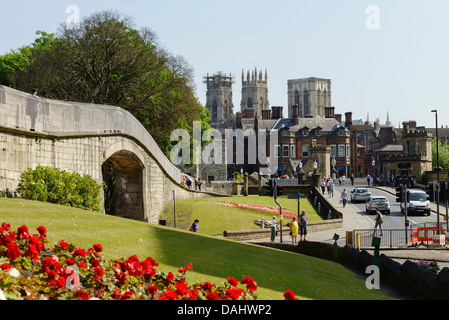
(360, 194)
(378, 202)
(419, 204)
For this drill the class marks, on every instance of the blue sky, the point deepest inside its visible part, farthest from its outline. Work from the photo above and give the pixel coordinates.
(401, 67)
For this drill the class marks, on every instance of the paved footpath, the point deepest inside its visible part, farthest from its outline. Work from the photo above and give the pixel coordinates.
(354, 220)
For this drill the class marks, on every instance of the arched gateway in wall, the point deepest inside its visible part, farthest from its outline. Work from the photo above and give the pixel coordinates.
(104, 142)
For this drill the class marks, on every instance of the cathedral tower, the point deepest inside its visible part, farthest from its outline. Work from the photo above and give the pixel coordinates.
(219, 98)
(255, 92)
(312, 95)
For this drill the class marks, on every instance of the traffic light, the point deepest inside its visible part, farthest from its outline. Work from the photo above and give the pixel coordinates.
(270, 187)
(399, 194)
(407, 197)
(429, 191)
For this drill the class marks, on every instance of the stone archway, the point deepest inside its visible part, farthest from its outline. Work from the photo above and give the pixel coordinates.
(124, 194)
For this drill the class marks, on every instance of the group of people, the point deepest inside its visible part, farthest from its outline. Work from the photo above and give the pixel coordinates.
(327, 184)
(192, 183)
(297, 227)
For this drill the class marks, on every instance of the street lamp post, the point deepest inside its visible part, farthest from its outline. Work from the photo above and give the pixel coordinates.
(373, 164)
(438, 174)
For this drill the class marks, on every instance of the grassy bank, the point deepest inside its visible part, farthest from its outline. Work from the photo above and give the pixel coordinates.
(215, 218)
(213, 259)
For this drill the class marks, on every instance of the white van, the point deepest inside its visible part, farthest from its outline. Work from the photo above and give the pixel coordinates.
(418, 203)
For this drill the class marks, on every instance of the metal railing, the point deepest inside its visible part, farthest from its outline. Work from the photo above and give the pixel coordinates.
(394, 238)
(391, 238)
(73, 118)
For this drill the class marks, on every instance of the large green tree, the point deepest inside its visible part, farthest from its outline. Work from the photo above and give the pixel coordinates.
(443, 155)
(108, 61)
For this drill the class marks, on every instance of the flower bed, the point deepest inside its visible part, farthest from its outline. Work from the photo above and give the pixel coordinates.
(32, 269)
(262, 209)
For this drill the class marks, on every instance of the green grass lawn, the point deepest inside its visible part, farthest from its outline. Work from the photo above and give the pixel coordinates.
(213, 259)
(215, 218)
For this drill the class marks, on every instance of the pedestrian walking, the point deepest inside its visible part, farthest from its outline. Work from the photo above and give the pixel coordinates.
(379, 221)
(33, 108)
(344, 198)
(273, 229)
(294, 230)
(303, 222)
(195, 226)
(331, 188)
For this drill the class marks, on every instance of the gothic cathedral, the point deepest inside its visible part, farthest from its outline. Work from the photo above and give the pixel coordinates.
(255, 92)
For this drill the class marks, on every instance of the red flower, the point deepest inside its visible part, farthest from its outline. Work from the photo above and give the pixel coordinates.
(32, 252)
(171, 295)
(170, 277)
(6, 227)
(70, 262)
(206, 286)
(82, 295)
(233, 282)
(23, 232)
(98, 248)
(127, 295)
(212, 296)
(80, 252)
(35, 240)
(51, 267)
(98, 273)
(116, 294)
(251, 285)
(152, 290)
(6, 266)
(64, 244)
(82, 265)
(234, 293)
(181, 289)
(13, 251)
(289, 295)
(95, 263)
(42, 231)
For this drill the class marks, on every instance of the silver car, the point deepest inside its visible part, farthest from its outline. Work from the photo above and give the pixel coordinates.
(360, 195)
(380, 203)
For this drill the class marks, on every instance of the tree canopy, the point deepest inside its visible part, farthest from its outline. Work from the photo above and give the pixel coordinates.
(108, 61)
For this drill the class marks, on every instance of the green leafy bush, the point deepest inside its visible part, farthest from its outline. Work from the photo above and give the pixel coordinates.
(60, 187)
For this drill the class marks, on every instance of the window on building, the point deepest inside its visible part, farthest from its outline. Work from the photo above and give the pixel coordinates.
(214, 110)
(348, 151)
(286, 151)
(333, 151)
(292, 152)
(305, 151)
(249, 103)
(341, 151)
(278, 151)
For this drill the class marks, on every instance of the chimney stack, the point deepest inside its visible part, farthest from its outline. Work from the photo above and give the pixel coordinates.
(338, 117)
(296, 114)
(277, 113)
(348, 122)
(329, 112)
(266, 114)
